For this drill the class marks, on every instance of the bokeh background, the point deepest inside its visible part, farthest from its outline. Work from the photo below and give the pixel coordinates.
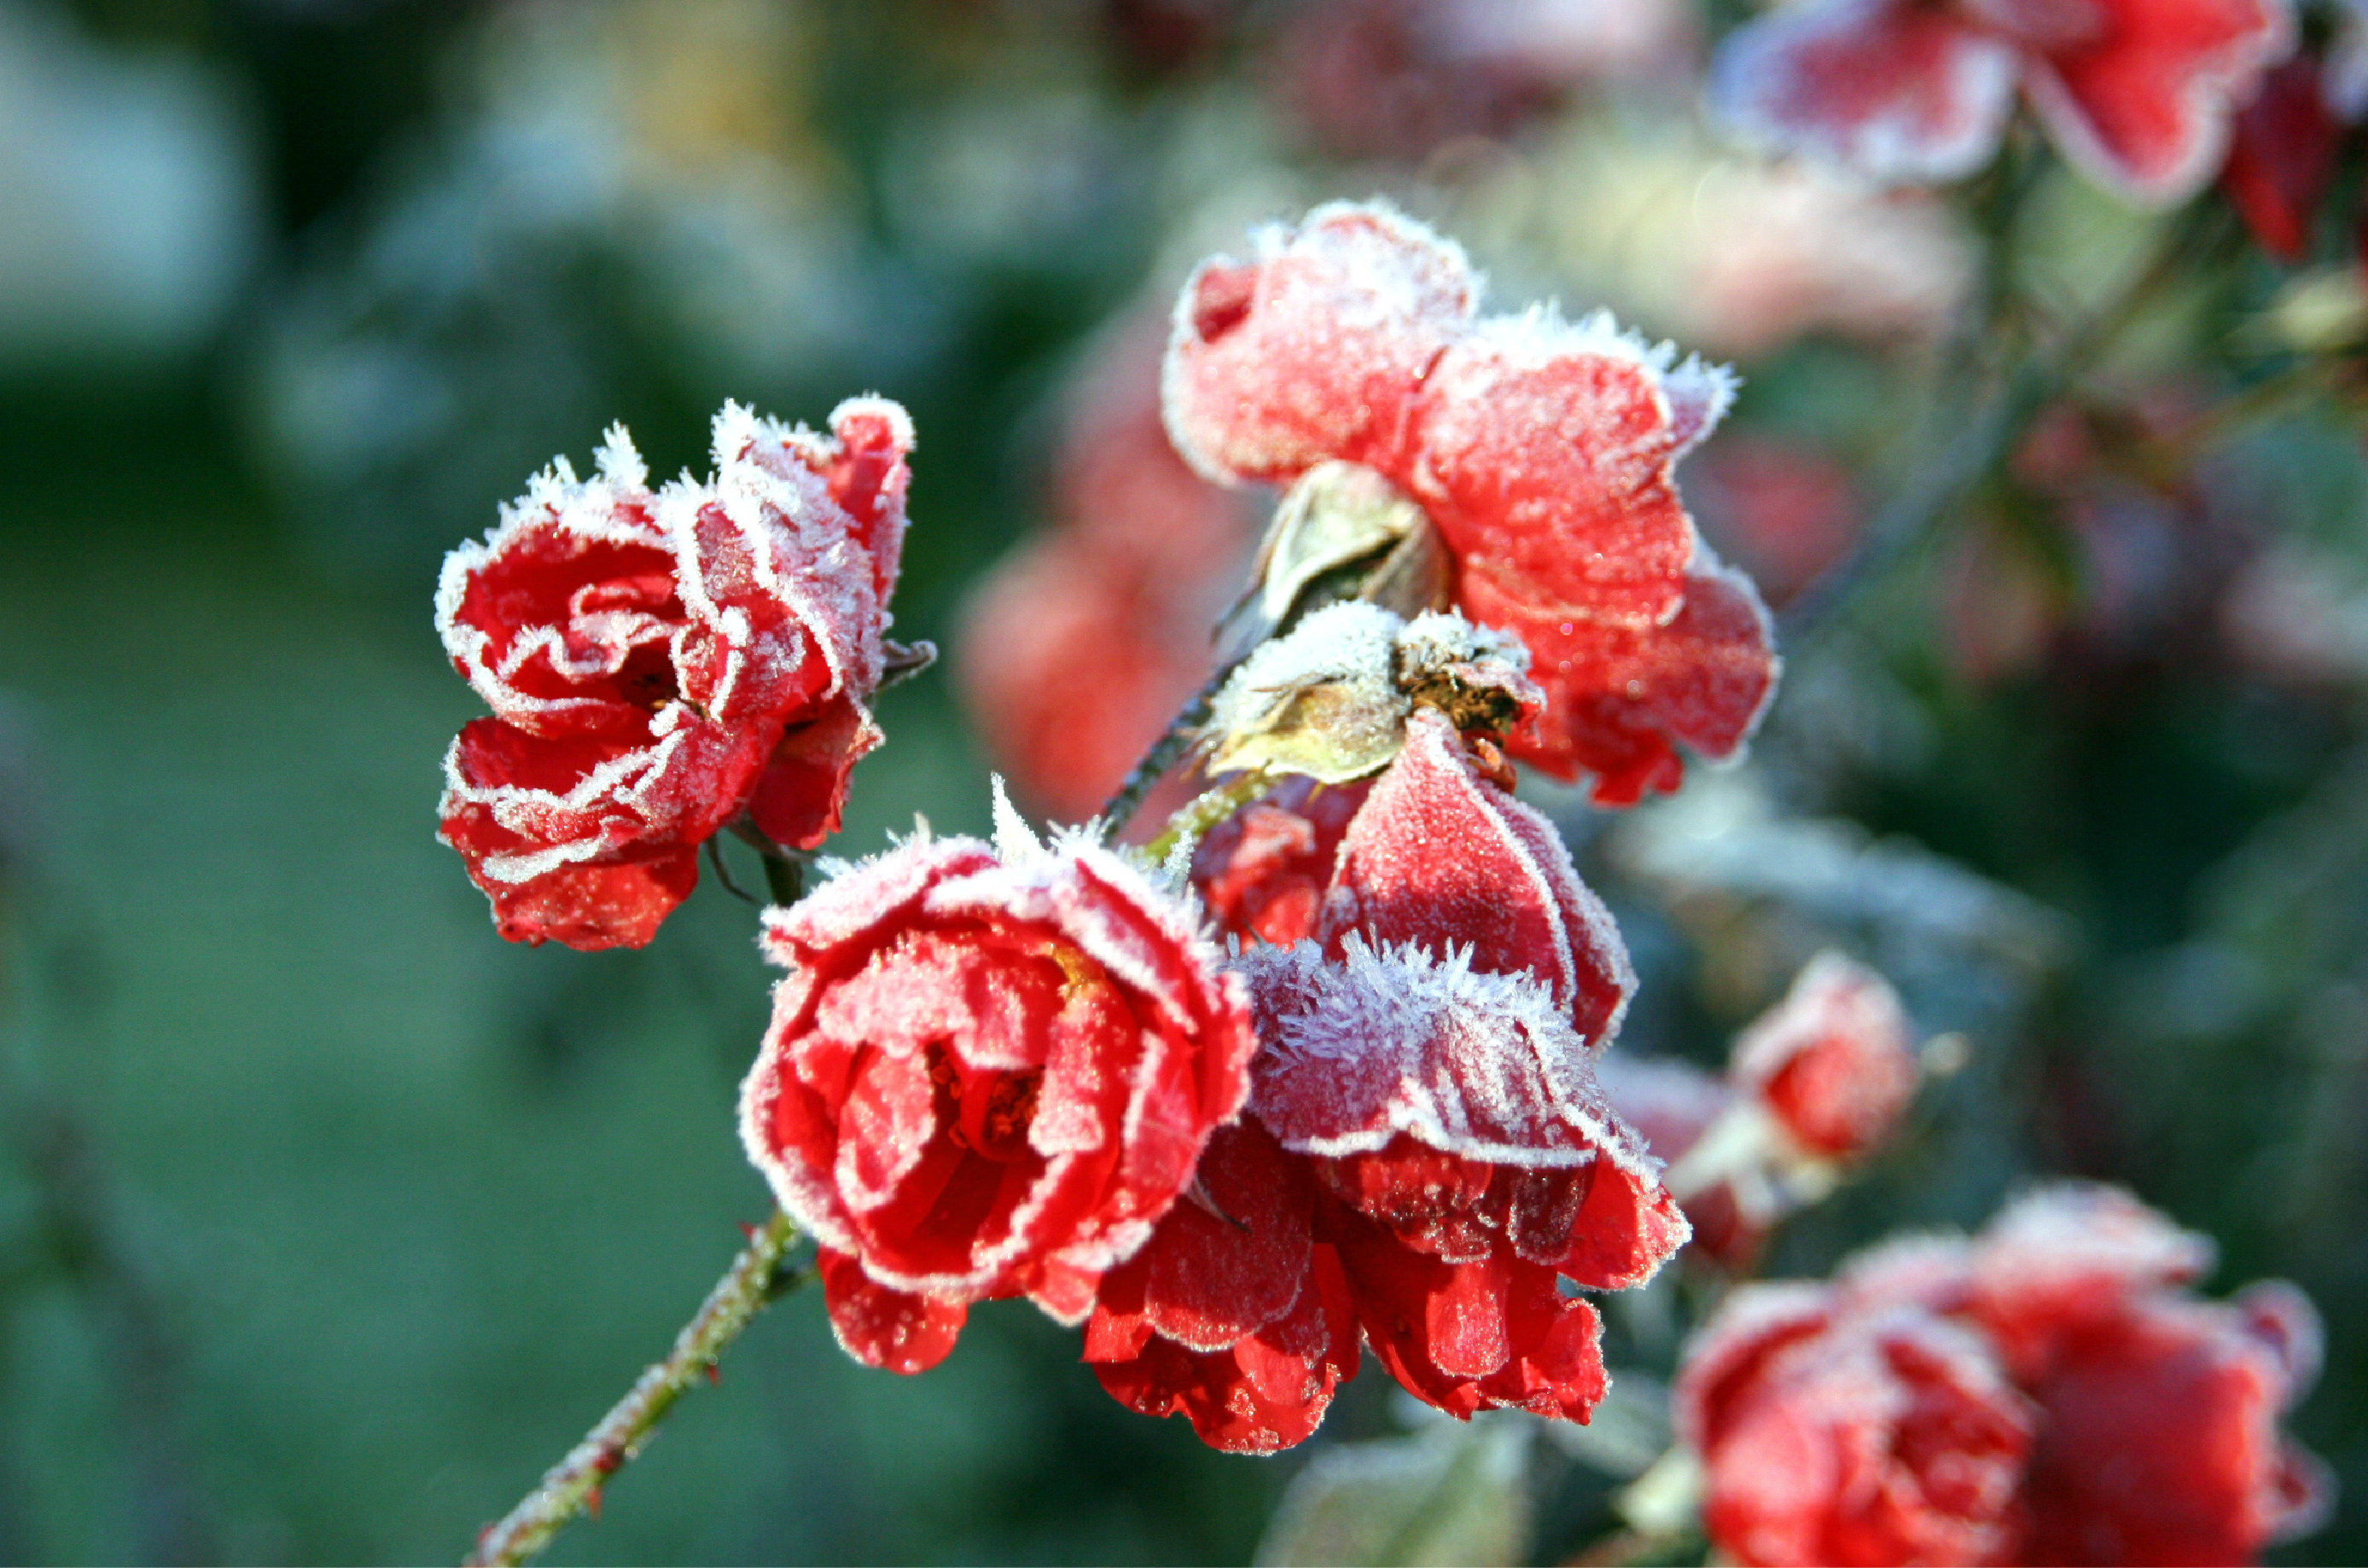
(327, 1220)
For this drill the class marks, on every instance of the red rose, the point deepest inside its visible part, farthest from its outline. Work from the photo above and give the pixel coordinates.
(2137, 93)
(1431, 1152)
(989, 1074)
(1832, 1061)
(658, 664)
(1544, 453)
(2044, 1394)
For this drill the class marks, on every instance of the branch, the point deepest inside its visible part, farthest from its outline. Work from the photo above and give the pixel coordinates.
(573, 1485)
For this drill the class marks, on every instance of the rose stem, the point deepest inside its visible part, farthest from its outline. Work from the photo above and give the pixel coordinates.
(573, 1485)
(1165, 753)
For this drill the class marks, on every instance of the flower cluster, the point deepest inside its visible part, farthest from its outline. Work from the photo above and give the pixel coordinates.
(662, 664)
(2046, 1393)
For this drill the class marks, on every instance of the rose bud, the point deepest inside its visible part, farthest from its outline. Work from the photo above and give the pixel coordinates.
(661, 665)
(1834, 1062)
(2138, 93)
(990, 1072)
(1542, 452)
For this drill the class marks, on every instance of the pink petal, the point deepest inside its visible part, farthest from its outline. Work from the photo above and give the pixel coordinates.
(1902, 92)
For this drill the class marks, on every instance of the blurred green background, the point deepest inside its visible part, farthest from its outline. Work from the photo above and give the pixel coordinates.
(327, 1221)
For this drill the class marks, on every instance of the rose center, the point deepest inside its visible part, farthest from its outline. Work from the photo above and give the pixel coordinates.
(984, 1111)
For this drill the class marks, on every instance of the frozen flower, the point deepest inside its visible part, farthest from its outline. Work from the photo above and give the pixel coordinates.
(660, 665)
(1425, 1074)
(1543, 451)
(1833, 1061)
(2044, 1394)
(990, 1072)
(1821, 1079)
(2139, 93)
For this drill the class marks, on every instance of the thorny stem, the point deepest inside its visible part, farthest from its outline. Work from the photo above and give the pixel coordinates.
(573, 1485)
(1165, 753)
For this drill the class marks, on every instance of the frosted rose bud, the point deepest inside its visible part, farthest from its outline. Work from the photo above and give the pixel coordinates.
(1542, 452)
(990, 1072)
(1834, 1062)
(659, 665)
(2137, 93)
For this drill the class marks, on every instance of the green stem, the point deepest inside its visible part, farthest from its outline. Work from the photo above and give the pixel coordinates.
(573, 1485)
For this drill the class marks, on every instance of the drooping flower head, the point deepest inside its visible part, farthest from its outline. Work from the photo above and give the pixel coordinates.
(1436, 1152)
(660, 663)
(1543, 451)
(2044, 1394)
(2137, 93)
(991, 1069)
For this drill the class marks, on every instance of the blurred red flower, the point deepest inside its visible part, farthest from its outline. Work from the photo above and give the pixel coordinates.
(1544, 451)
(990, 1072)
(659, 665)
(2044, 1394)
(1076, 652)
(2139, 93)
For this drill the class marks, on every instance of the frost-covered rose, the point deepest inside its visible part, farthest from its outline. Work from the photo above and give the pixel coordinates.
(1544, 451)
(2044, 1394)
(990, 1072)
(1437, 1155)
(2137, 93)
(660, 663)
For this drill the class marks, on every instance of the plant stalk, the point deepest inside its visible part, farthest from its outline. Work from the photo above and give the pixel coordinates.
(573, 1485)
